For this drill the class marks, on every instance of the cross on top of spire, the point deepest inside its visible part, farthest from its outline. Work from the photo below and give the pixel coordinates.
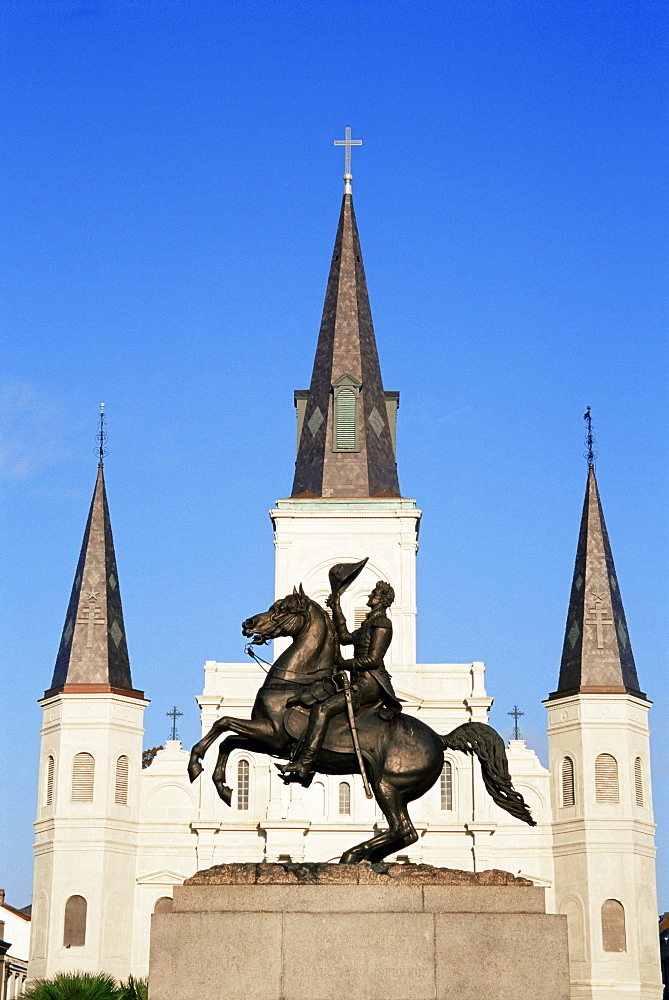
(174, 715)
(347, 142)
(516, 715)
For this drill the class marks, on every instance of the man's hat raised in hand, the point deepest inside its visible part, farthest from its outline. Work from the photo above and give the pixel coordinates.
(343, 574)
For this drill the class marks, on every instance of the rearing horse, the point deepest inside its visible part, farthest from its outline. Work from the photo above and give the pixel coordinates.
(405, 756)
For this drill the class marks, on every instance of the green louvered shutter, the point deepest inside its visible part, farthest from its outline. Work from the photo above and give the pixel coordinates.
(346, 413)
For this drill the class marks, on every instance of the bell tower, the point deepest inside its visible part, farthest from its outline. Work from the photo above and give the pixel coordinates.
(88, 808)
(598, 744)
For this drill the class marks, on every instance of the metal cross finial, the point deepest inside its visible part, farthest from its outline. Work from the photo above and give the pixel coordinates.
(174, 715)
(590, 454)
(347, 142)
(516, 715)
(102, 435)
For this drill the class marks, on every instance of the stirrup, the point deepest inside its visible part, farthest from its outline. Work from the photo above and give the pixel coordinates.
(295, 771)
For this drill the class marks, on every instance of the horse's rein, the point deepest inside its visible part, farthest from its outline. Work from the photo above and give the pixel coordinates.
(259, 660)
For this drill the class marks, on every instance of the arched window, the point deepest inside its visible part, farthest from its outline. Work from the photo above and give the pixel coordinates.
(318, 798)
(50, 766)
(243, 776)
(121, 792)
(163, 905)
(606, 778)
(447, 786)
(83, 776)
(638, 781)
(568, 782)
(344, 799)
(613, 926)
(74, 930)
(346, 419)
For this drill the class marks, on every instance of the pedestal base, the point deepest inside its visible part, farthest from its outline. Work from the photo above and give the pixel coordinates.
(357, 932)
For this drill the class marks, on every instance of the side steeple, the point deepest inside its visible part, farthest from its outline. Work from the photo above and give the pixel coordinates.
(93, 653)
(597, 655)
(346, 421)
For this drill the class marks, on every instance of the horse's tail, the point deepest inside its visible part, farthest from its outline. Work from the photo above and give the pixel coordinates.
(481, 739)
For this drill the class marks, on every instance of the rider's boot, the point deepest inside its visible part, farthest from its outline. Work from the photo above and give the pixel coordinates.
(301, 769)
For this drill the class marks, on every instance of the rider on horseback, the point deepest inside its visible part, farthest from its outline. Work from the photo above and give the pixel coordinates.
(370, 680)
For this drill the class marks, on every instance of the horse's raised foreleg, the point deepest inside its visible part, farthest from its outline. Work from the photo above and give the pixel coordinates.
(226, 747)
(400, 833)
(261, 730)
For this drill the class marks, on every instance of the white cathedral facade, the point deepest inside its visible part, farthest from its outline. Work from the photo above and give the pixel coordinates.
(112, 838)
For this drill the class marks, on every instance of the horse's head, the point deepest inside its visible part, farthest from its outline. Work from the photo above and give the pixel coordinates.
(288, 616)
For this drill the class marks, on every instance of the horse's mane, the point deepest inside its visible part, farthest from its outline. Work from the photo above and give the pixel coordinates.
(329, 624)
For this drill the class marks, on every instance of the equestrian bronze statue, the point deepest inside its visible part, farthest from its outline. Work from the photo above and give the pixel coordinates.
(310, 713)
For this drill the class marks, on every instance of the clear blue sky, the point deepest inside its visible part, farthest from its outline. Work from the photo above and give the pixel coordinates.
(170, 198)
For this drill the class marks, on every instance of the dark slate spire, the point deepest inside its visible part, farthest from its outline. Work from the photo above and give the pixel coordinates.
(93, 653)
(346, 421)
(597, 655)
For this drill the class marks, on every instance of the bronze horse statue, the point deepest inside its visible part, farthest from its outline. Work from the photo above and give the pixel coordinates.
(403, 757)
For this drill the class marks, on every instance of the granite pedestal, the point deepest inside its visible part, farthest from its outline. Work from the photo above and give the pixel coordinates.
(357, 932)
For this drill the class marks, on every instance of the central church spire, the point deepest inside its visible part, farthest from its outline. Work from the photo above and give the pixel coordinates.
(346, 421)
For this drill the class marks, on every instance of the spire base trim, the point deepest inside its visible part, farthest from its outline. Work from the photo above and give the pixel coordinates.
(94, 689)
(559, 695)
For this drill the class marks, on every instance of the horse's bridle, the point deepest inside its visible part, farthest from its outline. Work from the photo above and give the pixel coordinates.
(277, 622)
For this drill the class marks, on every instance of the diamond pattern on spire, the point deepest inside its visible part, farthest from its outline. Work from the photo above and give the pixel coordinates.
(376, 421)
(116, 632)
(315, 422)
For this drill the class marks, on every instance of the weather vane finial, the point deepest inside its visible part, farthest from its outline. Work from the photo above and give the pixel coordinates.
(102, 436)
(590, 454)
(347, 142)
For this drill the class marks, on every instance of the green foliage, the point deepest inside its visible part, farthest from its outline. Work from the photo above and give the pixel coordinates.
(87, 986)
(148, 755)
(134, 989)
(74, 986)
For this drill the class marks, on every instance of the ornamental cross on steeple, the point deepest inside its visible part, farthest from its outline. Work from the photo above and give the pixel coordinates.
(516, 715)
(174, 715)
(600, 617)
(347, 142)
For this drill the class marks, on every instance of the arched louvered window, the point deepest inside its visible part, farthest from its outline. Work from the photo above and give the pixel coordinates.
(447, 786)
(344, 799)
(50, 767)
(568, 797)
(318, 798)
(83, 776)
(346, 419)
(638, 780)
(613, 926)
(359, 616)
(163, 905)
(74, 929)
(243, 781)
(121, 790)
(606, 778)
